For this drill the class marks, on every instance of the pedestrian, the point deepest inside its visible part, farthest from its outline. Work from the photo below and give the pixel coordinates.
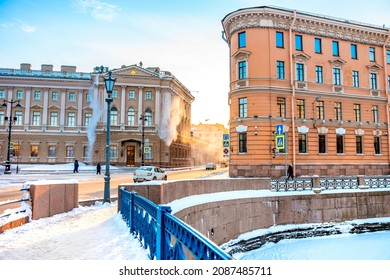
(98, 168)
(290, 172)
(76, 166)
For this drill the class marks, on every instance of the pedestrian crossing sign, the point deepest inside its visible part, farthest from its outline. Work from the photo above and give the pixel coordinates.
(279, 142)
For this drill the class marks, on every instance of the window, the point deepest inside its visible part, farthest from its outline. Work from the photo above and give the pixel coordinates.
(335, 48)
(131, 116)
(71, 119)
(373, 81)
(114, 93)
(372, 54)
(69, 151)
(359, 144)
(388, 56)
(53, 118)
(242, 70)
(338, 111)
(353, 51)
(279, 39)
(375, 113)
(322, 143)
(37, 95)
(319, 75)
(36, 118)
(16, 150)
(320, 110)
(72, 96)
(19, 94)
(336, 76)
(302, 143)
(317, 45)
(114, 116)
(87, 119)
(242, 148)
(54, 96)
(357, 113)
(18, 118)
(298, 43)
(242, 40)
(2, 94)
(85, 152)
(377, 145)
(355, 78)
(1, 117)
(388, 83)
(88, 97)
(300, 75)
(280, 70)
(52, 151)
(281, 103)
(148, 115)
(148, 95)
(301, 109)
(34, 150)
(242, 107)
(113, 151)
(340, 144)
(131, 94)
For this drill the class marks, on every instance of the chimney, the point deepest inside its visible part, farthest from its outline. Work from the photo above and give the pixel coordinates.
(65, 68)
(46, 67)
(25, 66)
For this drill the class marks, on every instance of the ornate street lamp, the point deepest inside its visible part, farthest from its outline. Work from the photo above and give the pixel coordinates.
(4, 105)
(143, 118)
(109, 84)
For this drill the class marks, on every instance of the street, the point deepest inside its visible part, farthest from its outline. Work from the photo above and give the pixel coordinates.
(91, 186)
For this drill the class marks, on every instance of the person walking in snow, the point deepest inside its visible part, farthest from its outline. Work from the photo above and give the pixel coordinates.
(76, 166)
(98, 168)
(290, 172)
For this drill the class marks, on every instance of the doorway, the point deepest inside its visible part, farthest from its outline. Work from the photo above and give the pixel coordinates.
(130, 156)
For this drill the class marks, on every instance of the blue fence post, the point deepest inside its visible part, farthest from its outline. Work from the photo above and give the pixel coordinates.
(131, 214)
(161, 253)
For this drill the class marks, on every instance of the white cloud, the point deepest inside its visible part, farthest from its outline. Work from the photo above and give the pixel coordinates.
(28, 28)
(98, 9)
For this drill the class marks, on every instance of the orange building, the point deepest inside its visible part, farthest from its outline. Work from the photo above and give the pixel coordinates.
(322, 81)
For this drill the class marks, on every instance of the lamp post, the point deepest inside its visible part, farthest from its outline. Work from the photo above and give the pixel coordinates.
(4, 105)
(143, 118)
(109, 84)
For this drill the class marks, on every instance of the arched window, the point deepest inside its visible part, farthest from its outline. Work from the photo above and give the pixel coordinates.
(149, 117)
(131, 116)
(114, 116)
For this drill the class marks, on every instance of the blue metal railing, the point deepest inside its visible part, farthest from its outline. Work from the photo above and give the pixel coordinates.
(166, 236)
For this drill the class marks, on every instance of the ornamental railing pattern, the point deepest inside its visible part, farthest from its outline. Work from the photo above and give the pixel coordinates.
(327, 183)
(167, 237)
(377, 182)
(296, 184)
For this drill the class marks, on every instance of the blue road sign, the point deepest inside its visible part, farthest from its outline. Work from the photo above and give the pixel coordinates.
(279, 129)
(226, 137)
(279, 142)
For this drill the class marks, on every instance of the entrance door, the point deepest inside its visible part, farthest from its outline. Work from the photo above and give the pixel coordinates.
(130, 156)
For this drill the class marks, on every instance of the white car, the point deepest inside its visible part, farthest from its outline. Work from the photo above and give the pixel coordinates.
(149, 173)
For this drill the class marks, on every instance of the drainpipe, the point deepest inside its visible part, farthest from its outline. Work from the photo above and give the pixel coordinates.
(293, 91)
(388, 97)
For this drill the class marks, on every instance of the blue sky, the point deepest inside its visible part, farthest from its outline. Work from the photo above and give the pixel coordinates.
(181, 36)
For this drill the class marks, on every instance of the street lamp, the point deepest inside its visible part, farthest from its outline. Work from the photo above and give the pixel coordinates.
(4, 105)
(109, 84)
(143, 118)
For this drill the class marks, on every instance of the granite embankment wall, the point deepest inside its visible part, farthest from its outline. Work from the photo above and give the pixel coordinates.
(222, 221)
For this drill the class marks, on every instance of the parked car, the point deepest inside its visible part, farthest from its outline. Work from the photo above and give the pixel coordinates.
(211, 166)
(149, 173)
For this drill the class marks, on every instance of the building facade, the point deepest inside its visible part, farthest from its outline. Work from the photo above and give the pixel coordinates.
(63, 116)
(313, 86)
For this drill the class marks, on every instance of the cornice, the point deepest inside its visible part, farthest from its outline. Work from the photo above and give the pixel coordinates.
(305, 23)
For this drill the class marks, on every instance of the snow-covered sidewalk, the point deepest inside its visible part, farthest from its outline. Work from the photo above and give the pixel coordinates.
(85, 233)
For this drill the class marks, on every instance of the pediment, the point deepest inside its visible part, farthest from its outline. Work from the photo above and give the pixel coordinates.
(374, 67)
(136, 70)
(301, 57)
(241, 55)
(337, 62)
(71, 108)
(36, 106)
(54, 107)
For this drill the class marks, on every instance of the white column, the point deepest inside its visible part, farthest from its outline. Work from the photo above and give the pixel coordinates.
(80, 109)
(157, 106)
(9, 98)
(62, 110)
(123, 107)
(140, 104)
(27, 108)
(45, 107)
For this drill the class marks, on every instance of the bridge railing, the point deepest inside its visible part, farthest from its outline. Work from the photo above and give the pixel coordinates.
(167, 237)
